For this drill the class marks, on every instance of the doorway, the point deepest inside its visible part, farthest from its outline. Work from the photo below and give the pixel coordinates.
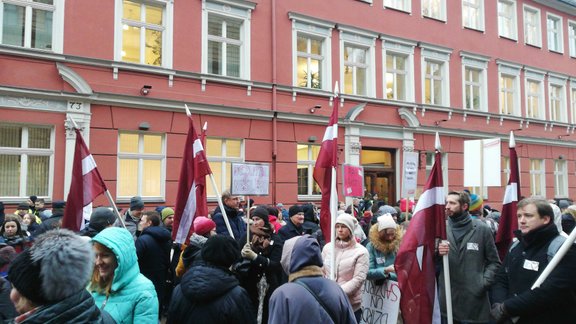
(380, 173)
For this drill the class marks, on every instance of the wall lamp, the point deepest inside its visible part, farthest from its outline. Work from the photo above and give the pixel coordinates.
(313, 109)
(562, 136)
(438, 122)
(145, 90)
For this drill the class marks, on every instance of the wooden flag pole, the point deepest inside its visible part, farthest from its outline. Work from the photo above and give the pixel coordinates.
(248, 219)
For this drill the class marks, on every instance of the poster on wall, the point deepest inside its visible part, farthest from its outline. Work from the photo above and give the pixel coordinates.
(380, 303)
(409, 174)
(353, 183)
(250, 179)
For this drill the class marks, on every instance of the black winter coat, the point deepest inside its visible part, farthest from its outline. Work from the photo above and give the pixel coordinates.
(289, 231)
(555, 300)
(153, 250)
(210, 294)
(7, 309)
(237, 225)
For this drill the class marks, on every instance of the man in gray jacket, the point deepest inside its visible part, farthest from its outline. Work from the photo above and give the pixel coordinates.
(473, 261)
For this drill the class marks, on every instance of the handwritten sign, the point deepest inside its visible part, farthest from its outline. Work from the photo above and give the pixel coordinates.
(250, 179)
(410, 174)
(353, 180)
(380, 304)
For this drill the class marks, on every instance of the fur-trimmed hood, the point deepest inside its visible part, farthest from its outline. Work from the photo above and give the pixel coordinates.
(385, 247)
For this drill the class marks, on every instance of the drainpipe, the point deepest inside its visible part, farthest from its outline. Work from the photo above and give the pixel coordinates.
(274, 104)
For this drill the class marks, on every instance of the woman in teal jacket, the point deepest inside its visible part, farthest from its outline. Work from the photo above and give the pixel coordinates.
(385, 237)
(117, 285)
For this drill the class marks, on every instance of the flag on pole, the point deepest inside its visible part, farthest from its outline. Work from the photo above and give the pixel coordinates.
(86, 185)
(326, 163)
(191, 191)
(508, 221)
(202, 204)
(414, 263)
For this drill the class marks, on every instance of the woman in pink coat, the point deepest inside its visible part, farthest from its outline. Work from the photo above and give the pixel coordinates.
(351, 259)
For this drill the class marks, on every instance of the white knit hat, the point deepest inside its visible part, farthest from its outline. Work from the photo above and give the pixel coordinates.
(346, 220)
(386, 221)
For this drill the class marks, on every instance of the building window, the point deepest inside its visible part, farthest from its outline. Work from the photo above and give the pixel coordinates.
(33, 24)
(403, 5)
(434, 83)
(560, 179)
(557, 101)
(507, 19)
(311, 53)
(534, 99)
(435, 9)
(573, 102)
(307, 155)
(509, 89)
(537, 178)
(143, 33)
(356, 70)
(554, 27)
(473, 14)
(226, 39)
(221, 152)
(474, 70)
(505, 169)
(532, 28)
(398, 69)
(26, 161)
(572, 38)
(141, 165)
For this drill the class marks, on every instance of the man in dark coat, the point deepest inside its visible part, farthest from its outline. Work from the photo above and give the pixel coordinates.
(210, 293)
(554, 300)
(293, 303)
(231, 206)
(54, 221)
(153, 250)
(293, 225)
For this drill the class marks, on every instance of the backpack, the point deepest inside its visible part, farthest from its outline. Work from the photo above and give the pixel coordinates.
(552, 248)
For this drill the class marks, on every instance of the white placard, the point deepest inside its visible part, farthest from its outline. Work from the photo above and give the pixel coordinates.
(380, 304)
(251, 179)
(486, 153)
(410, 174)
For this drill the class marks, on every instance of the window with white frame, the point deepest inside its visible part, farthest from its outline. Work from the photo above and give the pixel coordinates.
(358, 61)
(221, 153)
(311, 50)
(307, 155)
(398, 69)
(143, 32)
(573, 101)
(473, 14)
(474, 82)
(572, 37)
(509, 89)
(507, 19)
(404, 5)
(505, 169)
(537, 178)
(226, 38)
(557, 98)
(435, 77)
(435, 9)
(26, 161)
(534, 88)
(560, 179)
(141, 165)
(430, 158)
(33, 24)
(532, 26)
(554, 28)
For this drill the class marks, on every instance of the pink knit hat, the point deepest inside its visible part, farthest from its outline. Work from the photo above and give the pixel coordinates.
(203, 225)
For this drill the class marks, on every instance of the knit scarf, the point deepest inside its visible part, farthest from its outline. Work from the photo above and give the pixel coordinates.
(460, 225)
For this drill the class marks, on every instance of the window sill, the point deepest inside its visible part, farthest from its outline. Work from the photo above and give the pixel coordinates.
(533, 45)
(556, 52)
(508, 38)
(398, 10)
(479, 30)
(146, 200)
(31, 52)
(440, 20)
(309, 197)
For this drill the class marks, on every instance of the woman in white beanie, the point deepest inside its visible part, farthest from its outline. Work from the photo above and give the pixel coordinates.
(385, 237)
(351, 261)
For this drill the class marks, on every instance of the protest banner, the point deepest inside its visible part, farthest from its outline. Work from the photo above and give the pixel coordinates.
(410, 174)
(353, 183)
(380, 303)
(250, 179)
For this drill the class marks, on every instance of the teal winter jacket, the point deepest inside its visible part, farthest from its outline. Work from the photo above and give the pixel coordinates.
(133, 297)
(382, 254)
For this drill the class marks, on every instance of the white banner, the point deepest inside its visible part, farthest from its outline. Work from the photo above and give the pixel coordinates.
(251, 179)
(380, 304)
(410, 174)
(482, 163)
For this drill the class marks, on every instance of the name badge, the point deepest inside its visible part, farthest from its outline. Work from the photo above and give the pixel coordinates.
(380, 260)
(472, 246)
(531, 265)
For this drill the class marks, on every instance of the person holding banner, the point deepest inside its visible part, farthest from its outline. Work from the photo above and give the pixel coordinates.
(538, 240)
(385, 237)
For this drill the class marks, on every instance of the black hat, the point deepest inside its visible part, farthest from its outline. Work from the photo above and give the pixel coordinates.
(260, 212)
(191, 252)
(136, 203)
(59, 204)
(221, 250)
(23, 205)
(7, 255)
(33, 198)
(101, 217)
(294, 210)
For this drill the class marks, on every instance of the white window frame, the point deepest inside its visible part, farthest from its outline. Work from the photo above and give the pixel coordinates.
(557, 34)
(441, 56)
(479, 63)
(141, 157)
(167, 38)
(57, 23)
(557, 81)
(428, 9)
(513, 20)
(572, 38)
(573, 101)
(533, 10)
(23, 151)
(363, 40)
(536, 76)
(538, 173)
(402, 5)
(225, 160)
(231, 9)
(513, 71)
(560, 179)
(310, 163)
(480, 18)
(397, 47)
(315, 29)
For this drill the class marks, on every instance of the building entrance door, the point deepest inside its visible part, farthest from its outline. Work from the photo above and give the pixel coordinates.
(380, 173)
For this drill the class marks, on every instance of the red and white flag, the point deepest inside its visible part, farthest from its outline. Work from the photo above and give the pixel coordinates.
(191, 192)
(326, 164)
(508, 221)
(414, 263)
(86, 185)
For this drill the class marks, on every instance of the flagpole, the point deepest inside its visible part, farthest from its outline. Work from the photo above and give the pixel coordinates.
(445, 262)
(224, 215)
(333, 212)
(248, 220)
(116, 212)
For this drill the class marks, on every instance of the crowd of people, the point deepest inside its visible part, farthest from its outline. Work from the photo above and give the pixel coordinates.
(269, 264)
